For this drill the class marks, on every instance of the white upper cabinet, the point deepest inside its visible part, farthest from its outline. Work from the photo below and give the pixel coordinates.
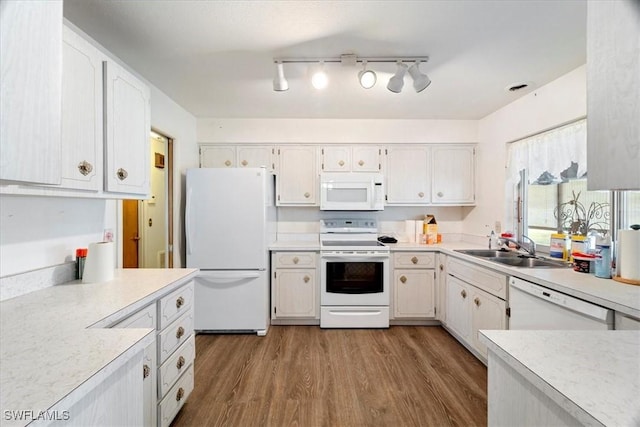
(356, 158)
(613, 94)
(408, 175)
(254, 156)
(30, 91)
(242, 156)
(127, 128)
(453, 175)
(297, 178)
(217, 156)
(82, 158)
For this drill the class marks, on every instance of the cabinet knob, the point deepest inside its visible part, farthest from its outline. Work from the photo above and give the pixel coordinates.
(361, 163)
(244, 163)
(179, 302)
(463, 293)
(227, 163)
(441, 267)
(440, 194)
(180, 332)
(307, 195)
(296, 260)
(403, 279)
(180, 363)
(414, 260)
(421, 194)
(179, 394)
(122, 174)
(85, 167)
(341, 163)
(146, 371)
(306, 279)
(476, 300)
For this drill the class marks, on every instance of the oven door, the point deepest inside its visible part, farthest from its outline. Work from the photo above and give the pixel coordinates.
(354, 279)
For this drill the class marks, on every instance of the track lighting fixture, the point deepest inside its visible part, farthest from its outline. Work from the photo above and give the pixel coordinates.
(366, 77)
(420, 80)
(280, 84)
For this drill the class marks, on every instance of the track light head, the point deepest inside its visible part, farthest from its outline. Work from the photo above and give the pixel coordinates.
(366, 77)
(280, 84)
(320, 80)
(420, 80)
(397, 81)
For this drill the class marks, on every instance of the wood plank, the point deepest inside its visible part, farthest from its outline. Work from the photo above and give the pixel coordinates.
(307, 376)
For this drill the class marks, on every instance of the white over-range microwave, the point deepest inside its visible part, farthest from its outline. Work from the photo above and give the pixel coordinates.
(355, 191)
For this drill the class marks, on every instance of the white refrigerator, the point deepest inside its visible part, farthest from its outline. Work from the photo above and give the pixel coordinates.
(230, 221)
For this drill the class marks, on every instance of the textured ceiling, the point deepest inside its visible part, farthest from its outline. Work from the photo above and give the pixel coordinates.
(215, 58)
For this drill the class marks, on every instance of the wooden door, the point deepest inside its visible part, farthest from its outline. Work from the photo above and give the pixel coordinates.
(131, 236)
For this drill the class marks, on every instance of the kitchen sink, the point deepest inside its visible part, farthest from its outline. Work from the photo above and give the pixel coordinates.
(529, 262)
(489, 253)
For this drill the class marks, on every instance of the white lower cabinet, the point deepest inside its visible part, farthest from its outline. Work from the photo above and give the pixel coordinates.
(475, 299)
(167, 367)
(414, 279)
(294, 287)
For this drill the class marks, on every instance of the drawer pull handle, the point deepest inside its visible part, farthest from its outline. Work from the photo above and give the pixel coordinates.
(180, 363)
(227, 163)
(440, 194)
(463, 293)
(179, 302)
(122, 174)
(414, 260)
(403, 279)
(307, 195)
(421, 194)
(361, 163)
(179, 394)
(180, 332)
(306, 279)
(441, 267)
(296, 260)
(476, 300)
(245, 163)
(85, 167)
(341, 163)
(146, 371)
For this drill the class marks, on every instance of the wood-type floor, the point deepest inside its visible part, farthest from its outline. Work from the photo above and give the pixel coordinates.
(307, 376)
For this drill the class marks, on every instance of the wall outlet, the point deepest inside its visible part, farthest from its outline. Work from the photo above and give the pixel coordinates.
(497, 227)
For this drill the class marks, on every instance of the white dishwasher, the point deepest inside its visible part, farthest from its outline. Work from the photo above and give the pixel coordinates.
(536, 307)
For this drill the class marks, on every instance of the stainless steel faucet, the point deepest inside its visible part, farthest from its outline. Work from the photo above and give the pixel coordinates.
(529, 245)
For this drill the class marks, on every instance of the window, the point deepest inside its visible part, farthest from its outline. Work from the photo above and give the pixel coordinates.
(547, 189)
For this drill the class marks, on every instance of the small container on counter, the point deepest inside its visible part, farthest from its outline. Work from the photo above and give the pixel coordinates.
(81, 257)
(559, 246)
(579, 243)
(603, 257)
(584, 263)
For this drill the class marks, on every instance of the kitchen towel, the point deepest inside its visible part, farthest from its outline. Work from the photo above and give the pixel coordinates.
(100, 263)
(629, 254)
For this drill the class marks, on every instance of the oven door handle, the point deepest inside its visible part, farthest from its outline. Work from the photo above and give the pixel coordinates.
(358, 257)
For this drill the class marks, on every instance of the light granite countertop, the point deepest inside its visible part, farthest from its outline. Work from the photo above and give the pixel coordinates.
(593, 375)
(53, 344)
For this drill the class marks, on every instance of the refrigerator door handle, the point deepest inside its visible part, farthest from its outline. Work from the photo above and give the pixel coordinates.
(227, 277)
(187, 220)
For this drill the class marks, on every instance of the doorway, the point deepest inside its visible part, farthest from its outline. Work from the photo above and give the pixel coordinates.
(147, 225)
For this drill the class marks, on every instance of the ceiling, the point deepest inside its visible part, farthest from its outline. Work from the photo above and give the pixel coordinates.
(215, 58)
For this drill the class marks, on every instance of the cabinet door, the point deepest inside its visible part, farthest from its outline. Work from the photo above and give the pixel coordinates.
(453, 173)
(127, 129)
(487, 312)
(215, 156)
(82, 165)
(458, 306)
(366, 159)
(30, 90)
(613, 94)
(297, 179)
(255, 157)
(414, 293)
(295, 293)
(408, 181)
(336, 159)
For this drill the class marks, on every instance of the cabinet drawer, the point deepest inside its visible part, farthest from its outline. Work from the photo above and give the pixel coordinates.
(173, 401)
(491, 281)
(174, 335)
(295, 259)
(145, 318)
(414, 259)
(174, 304)
(175, 365)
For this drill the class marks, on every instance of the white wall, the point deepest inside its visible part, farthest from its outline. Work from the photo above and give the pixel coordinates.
(559, 102)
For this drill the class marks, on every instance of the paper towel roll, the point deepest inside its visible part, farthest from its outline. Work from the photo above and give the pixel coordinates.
(100, 263)
(629, 254)
(410, 230)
